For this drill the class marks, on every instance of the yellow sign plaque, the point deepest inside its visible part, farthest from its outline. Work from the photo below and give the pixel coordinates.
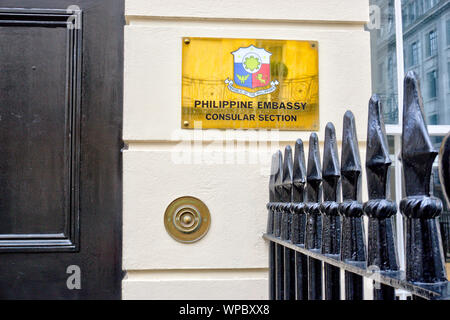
(250, 84)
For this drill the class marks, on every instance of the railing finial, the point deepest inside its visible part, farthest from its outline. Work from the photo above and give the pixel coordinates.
(377, 154)
(314, 195)
(352, 239)
(274, 194)
(418, 153)
(331, 171)
(381, 253)
(299, 172)
(314, 171)
(279, 176)
(424, 253)
(272, 178)
(350, 160)
(287, 175)
(299, 220)
(313, 239)
(331, 222)
(286, 224)
(298, 195)
(277, 215)
(270, 224)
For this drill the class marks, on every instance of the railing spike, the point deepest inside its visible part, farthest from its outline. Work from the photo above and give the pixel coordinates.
(331, 222)
(279, 249)
(299, 172)
(314, 194)
(314, 218)
(272, 178)
(377, 154)
(352, 238)
(279, 176)
(424, 254)
(314, 171)
(331, 170)
(272, 192)
(418, 153)
(299, 220)
(270, 226)
(382, 254)
(287, 175)
(350, 160)
(286, 225)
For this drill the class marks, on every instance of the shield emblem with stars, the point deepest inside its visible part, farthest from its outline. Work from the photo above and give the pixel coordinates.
(251, 67)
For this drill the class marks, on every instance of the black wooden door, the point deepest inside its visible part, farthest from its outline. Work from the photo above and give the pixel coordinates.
(61, 70)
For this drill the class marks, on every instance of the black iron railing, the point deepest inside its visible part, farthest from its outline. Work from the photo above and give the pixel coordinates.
(314, 235)
(444, 221)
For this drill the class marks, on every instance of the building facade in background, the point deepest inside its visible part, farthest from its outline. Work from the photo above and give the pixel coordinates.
(426, 50)
(426, 38)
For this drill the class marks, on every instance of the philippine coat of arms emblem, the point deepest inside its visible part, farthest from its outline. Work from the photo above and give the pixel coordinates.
(251, 70)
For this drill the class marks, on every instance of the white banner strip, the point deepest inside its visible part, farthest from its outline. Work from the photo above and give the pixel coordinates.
(251, 94)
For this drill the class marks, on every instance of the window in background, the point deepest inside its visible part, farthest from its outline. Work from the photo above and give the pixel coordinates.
(425, 33)
(448, 75)
(432, 43)
(433, 119)
(412, 12)
(384, 62)
(427, 54)
(419, 7)
(432, 84)
(380, 73)
(414, 54)
(390, 76)
(447, 29)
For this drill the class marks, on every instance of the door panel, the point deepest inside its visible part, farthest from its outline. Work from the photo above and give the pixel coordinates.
(60, 148)
(38, 130)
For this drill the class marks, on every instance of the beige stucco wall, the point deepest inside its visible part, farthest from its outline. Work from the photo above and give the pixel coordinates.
(231, 260)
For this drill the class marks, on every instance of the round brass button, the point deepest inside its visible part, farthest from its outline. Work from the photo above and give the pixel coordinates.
(187, 219)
